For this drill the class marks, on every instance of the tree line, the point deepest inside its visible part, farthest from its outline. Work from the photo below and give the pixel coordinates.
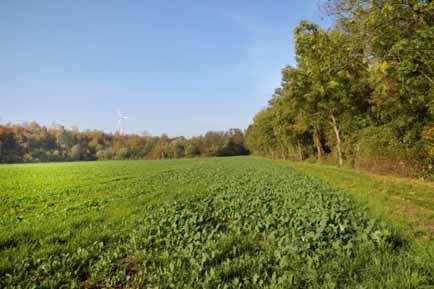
(36, 143)
(362, 92)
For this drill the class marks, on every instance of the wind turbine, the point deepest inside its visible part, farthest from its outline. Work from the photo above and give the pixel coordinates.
(120, 124)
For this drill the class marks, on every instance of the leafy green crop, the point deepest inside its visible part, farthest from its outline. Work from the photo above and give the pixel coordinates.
(214, 223)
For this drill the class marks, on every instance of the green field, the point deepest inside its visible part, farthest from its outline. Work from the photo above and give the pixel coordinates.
(238, 222)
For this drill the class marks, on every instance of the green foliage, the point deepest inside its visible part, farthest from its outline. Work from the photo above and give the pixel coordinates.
(76, 152)
(215, 223)
(372, 71)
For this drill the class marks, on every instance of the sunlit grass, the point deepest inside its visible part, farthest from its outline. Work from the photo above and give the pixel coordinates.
(202, 223)
(406, 202)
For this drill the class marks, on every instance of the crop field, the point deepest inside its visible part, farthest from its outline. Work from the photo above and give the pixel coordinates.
(237, 222)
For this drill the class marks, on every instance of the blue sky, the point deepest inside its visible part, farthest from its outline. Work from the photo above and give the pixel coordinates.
(175, 67)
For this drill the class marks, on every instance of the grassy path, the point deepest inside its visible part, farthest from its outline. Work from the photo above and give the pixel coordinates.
(405, 202)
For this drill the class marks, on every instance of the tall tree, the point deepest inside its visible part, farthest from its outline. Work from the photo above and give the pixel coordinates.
(338, 77)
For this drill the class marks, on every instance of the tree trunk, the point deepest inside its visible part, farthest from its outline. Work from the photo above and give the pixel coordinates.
(317, 141)
(356, 157)
(300, 153)
(338, 140)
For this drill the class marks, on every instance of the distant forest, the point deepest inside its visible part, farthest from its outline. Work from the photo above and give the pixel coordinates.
(362, 93)
(35, 143)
